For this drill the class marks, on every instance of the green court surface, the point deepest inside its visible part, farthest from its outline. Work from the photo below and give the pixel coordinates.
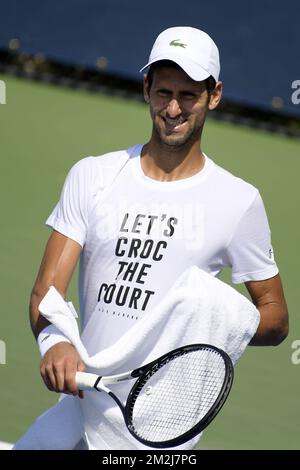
(43, 131)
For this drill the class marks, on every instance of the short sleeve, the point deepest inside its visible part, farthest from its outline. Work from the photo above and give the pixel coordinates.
(250, 251)
(70, 215)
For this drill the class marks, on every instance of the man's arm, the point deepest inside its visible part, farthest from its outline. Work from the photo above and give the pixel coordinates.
(268, 297)
(60, 363)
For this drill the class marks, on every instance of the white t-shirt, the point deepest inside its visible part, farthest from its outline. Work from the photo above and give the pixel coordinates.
(138, 235)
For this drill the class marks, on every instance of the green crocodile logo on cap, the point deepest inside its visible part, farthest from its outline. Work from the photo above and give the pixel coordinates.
(177, 44)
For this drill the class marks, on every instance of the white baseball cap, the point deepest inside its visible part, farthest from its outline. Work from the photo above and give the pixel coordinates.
(190, 48)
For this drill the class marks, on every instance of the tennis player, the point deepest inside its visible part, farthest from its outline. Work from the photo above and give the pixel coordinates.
(137, 218)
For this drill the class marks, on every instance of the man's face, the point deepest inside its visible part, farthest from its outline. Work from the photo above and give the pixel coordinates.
(178, 106)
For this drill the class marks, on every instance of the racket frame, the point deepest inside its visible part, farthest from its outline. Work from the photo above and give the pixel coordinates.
(143, 373)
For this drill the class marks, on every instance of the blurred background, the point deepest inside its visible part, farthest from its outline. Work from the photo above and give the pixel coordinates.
(70, 87)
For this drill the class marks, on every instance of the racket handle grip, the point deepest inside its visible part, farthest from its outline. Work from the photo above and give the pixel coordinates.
(85, 380)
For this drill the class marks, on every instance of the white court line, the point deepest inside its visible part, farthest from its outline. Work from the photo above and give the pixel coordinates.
(5, 445)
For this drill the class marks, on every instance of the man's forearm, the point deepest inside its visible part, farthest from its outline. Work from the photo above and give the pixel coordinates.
(58, 264)
(273, 326)
(37, 321)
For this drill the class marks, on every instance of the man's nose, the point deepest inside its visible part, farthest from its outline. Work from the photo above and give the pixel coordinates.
(173, 108)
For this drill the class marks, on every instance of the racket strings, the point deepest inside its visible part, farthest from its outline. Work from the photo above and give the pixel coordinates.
(178, 395)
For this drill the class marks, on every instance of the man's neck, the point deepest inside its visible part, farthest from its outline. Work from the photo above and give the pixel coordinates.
(168, 163)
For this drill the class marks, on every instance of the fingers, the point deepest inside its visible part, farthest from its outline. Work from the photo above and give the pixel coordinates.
(60, 377)
(81, 368)
(53, 374)
(58, 369)
(49, 378)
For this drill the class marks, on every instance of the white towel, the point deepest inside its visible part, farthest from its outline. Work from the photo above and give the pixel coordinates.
(198, 308)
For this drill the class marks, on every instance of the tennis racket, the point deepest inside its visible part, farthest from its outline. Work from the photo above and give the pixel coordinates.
(174, 397)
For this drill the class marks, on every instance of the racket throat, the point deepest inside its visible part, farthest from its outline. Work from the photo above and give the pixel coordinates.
(100, 387)
(102, 382)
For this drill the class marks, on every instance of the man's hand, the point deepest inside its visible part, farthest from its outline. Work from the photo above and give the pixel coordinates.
(58, 369)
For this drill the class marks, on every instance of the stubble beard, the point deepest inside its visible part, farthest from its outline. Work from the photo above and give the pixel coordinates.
(173, 141)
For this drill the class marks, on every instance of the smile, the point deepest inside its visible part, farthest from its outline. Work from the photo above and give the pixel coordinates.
(174, 125)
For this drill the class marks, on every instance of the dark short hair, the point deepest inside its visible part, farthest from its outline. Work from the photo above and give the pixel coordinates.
(210, 82)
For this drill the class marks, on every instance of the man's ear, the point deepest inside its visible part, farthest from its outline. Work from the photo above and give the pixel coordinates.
(215, 96)
(146, 89)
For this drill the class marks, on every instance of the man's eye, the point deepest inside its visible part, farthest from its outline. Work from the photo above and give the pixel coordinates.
(189, 95)
(163, 92)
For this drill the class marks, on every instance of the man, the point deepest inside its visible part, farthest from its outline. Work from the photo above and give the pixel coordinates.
(138, 218)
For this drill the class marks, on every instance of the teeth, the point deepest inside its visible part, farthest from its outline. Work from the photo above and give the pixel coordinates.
(175, 123)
